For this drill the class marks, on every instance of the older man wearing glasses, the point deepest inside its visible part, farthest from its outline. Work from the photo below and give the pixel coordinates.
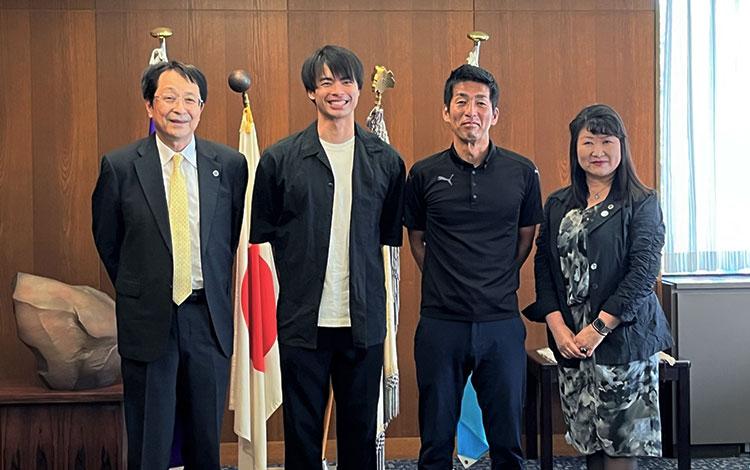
(167, 212)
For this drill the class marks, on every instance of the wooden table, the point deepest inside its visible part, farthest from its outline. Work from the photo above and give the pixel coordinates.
(541, 383)
(67, 430)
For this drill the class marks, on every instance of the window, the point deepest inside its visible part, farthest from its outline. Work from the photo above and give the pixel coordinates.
(705, 134)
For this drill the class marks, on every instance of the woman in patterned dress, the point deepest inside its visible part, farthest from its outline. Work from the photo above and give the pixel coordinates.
(598, 256)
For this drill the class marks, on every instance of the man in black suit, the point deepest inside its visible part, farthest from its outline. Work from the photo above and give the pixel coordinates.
(167, 212)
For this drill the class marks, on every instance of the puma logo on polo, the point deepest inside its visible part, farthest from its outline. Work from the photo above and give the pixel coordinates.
(448, 180)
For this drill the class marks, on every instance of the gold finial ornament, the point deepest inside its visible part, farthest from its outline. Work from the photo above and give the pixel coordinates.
(160, 53)
(162, 32)
(382, 79)
(478, 37)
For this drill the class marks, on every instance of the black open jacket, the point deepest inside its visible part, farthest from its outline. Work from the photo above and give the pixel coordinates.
(624, 252)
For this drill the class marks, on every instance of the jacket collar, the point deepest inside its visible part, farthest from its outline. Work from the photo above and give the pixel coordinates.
(461, 163)
(148, 169)
(604, 210)
(311, 146)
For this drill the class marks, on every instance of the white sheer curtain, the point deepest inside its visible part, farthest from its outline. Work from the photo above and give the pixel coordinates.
(705, 134)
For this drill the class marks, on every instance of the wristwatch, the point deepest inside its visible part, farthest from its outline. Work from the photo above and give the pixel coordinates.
(600, 327)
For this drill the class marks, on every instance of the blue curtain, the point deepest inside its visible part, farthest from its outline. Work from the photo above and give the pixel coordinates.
(705, 134)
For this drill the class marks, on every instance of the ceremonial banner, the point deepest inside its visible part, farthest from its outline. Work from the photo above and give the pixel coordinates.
(255, 390)
(388, 404)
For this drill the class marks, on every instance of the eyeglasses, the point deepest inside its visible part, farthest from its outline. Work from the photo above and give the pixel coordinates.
(189, 101)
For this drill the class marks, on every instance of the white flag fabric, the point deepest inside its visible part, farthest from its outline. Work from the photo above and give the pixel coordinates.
(255, 390)
(388, 402)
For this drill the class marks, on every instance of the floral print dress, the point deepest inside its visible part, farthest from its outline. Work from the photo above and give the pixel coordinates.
(607, 408)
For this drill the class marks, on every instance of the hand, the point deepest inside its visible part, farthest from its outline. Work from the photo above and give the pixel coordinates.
(588, 339)
(565, 340)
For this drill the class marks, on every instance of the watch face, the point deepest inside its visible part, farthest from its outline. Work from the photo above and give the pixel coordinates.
(599, 325)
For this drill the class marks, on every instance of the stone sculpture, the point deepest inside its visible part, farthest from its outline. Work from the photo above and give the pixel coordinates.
(70, 329)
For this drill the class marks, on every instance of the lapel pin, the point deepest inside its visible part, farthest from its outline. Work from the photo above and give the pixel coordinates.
(605, 213)
(216, 173)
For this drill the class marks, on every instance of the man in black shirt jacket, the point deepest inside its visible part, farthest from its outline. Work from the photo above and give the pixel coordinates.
(471, 212)
(327, 199)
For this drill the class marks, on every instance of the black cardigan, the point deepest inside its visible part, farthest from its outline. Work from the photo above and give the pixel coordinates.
(624, 252)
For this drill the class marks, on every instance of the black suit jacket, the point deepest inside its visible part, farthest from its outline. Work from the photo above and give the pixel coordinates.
(131, 232)
(624, 242)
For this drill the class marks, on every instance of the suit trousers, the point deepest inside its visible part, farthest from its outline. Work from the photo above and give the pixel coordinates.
(446, 352)
(189, 379)
(354, 374)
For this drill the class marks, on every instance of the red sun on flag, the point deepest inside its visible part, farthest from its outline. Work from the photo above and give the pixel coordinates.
(259, 307)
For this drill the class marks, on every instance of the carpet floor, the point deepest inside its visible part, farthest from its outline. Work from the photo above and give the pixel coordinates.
(579, 463)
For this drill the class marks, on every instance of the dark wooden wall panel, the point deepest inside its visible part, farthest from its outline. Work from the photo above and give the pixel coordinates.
(75, 94)
(238, 4)
(256, 42)
(64, 119)
(124, 47)
(134, 5)
(48, 4)
(16, 183)
(383, 5)
(632, 94)
(563, 5)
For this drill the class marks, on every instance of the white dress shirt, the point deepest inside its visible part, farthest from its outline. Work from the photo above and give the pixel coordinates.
(189, 168)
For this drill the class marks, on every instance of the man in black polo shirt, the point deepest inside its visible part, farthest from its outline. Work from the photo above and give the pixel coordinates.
(327, 198)
(471, 212)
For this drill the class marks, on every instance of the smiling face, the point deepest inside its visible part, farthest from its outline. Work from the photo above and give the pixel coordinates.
(176, 109)
(335, 98)
(470, 113)
(598, 155)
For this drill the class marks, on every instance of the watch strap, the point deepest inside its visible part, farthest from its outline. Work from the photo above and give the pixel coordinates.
(600, 327)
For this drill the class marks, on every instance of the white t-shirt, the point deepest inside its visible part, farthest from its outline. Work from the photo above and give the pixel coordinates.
(334, 303)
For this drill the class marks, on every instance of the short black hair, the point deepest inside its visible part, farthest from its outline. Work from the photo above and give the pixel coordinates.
(343, 63)
(600, 119)
(191, 73)
(471, 73)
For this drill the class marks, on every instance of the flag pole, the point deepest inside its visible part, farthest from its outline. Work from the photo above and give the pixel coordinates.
(255, 386)
(388, 401)
(239, 81)
(471, 440)
(159, 55)
(327, 427)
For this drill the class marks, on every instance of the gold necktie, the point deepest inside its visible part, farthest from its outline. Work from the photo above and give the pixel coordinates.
(180, 228)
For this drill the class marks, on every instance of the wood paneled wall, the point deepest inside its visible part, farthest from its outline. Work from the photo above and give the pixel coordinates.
(70, 72)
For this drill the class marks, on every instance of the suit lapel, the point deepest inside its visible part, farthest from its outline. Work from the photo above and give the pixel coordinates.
(209, 177)
(603, 213)
(148, 169)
